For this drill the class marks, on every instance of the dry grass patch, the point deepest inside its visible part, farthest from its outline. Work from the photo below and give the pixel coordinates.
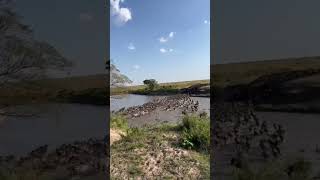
(152, 152)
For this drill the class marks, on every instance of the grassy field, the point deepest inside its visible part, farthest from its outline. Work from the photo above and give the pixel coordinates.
(164, 88)
(82, 89)
(76, 83)
(92, 88)
(86, 89)
(239, 73)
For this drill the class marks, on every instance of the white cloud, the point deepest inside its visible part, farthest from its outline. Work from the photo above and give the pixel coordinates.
(171, 34)
(162, 50)
(121, 15)
(136, 67)
(165, 39)
(131, 47)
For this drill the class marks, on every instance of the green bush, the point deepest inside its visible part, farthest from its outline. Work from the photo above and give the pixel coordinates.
(119, 122)
(151, 84)
(196, 132)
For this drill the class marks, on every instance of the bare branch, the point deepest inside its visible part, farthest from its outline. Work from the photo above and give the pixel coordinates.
(21, 56)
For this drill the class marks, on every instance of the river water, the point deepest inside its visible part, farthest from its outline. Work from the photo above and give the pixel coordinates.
(54, 124)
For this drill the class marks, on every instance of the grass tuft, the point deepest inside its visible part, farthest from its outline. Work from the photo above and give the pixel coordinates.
(196, 132)
(119, 122)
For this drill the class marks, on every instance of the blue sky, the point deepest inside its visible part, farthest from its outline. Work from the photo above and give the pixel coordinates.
(168, 40)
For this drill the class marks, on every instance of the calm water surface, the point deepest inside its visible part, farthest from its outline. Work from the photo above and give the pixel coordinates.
(118, 102)
(54, 125)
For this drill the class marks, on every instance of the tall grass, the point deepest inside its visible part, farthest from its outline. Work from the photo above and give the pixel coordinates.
(120, 122)
(196, 132)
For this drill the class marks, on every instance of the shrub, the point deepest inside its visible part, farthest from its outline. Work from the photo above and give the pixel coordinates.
(196, 132)
(151, 84)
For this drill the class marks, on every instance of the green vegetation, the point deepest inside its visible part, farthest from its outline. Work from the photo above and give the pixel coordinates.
(241, 73)
(151, 84)
(161, 89)
(196, 132)
(223, 75)
(159, 150)
(119, 122)
(84, 89)
(87, 96)
(292, 169)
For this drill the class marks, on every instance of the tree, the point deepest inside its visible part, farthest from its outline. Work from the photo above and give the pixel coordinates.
(21, 56)
(151, 83)
(116, 78)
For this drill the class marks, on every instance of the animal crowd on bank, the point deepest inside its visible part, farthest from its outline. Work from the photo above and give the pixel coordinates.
(81, 158)
(237, 125)
(183, 103)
